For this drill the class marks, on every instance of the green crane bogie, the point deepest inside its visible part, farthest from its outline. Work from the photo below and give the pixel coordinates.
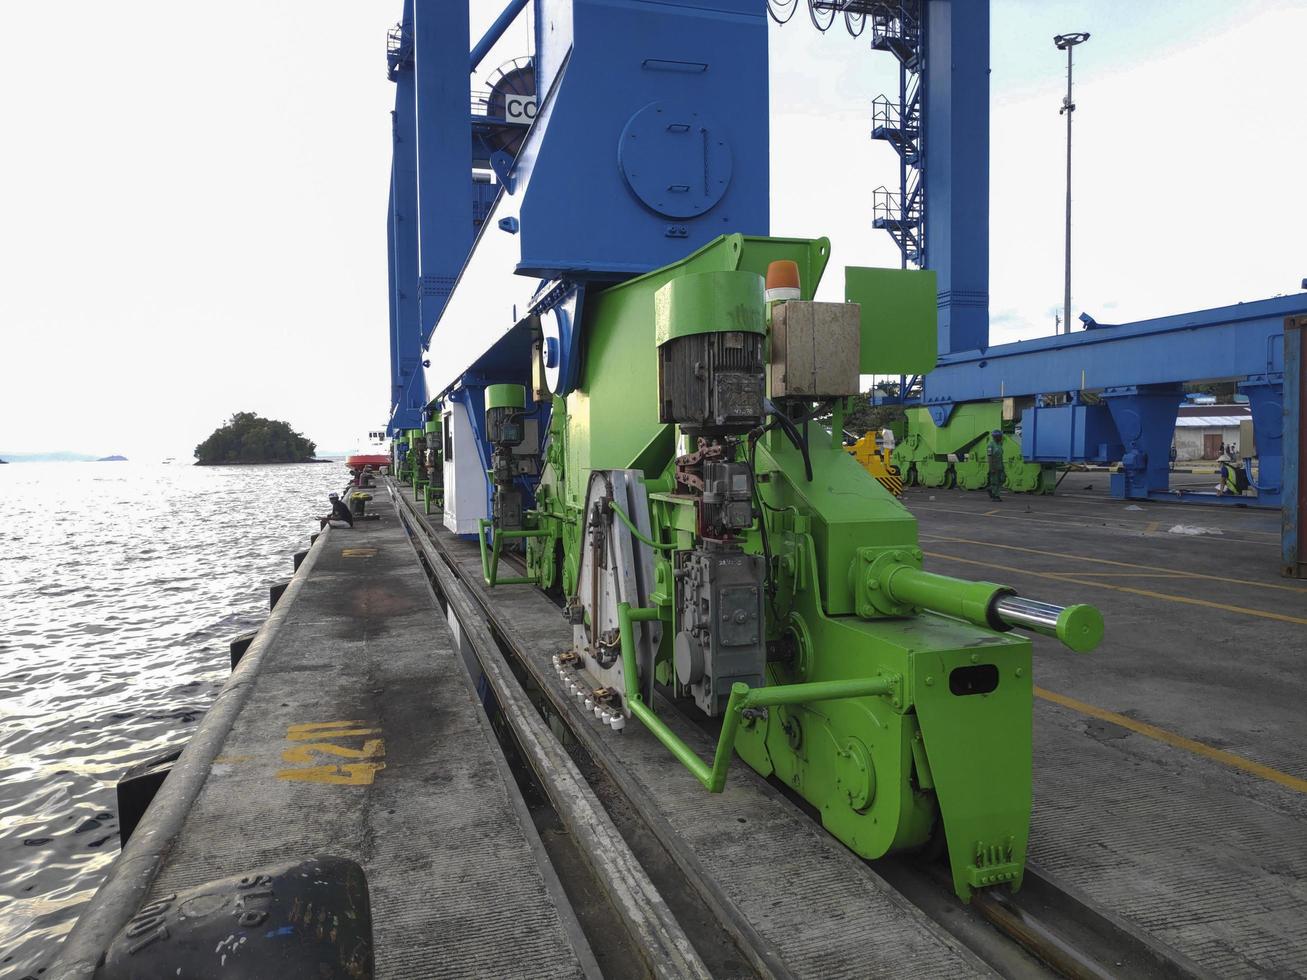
(972, 472)
(731, 550)
(954, 454)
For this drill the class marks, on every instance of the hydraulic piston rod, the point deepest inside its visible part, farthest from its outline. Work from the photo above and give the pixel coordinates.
(1080, 627)
(895, 586)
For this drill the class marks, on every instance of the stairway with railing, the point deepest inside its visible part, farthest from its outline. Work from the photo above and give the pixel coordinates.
(399, 49)
(897, 26)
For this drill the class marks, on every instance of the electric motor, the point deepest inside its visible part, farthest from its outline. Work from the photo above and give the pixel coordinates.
(712, 382)
(710, 331)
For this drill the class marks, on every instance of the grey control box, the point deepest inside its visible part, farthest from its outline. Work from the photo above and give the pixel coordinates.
(815, 350)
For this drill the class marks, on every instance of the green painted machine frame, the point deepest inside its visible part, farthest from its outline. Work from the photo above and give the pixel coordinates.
(894, 702)
(433, 497)
(923, 453)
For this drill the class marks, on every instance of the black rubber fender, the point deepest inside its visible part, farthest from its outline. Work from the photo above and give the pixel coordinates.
(296, 921)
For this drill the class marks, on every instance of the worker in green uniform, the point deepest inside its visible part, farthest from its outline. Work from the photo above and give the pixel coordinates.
(994, 454)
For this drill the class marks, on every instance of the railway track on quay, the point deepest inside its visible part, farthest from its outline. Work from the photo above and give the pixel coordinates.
(651, 903)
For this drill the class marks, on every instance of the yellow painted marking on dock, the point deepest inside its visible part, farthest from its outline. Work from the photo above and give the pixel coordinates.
(355, 773)
(990, 513)
(349, 774)
(358, 552)
(1146, 593)
(1152, 526)
(373, 748)
(1117, 564)
(231, 760)
(329, 729)
(1176, 741)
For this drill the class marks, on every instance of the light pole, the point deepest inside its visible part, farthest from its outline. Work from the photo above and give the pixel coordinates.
(1065, 42)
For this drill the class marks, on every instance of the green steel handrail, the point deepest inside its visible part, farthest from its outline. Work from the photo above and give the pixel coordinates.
(490, 560)
(742, 697)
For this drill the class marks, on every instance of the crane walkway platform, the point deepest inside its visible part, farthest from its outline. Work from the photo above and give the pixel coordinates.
(351, 728)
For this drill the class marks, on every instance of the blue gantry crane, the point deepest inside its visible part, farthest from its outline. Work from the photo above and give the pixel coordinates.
(627, 376)
(462, 177)
(566, 175)
(938, 125)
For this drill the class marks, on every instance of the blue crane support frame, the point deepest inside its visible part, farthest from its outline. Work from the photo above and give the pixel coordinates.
(1294, 531)
(567, 216)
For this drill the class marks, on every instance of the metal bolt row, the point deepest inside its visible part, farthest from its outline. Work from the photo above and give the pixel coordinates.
(567, 676)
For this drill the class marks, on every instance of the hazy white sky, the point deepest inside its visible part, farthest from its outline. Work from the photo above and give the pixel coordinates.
(192, 205)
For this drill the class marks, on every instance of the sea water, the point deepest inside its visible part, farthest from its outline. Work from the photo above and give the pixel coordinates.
(120, 587)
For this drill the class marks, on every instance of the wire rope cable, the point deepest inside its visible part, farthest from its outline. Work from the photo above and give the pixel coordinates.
(773, 6)
(828, 6)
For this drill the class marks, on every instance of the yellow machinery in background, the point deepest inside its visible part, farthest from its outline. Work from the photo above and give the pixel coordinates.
(875, 459)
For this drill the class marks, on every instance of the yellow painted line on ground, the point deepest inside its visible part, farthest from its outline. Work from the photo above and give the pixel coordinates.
(1152, 526)
(1146, 593)
(1176, 741)
(1116, 522)
(1117, 564)
(1134, 574)
(1105, 501)
(990, 513)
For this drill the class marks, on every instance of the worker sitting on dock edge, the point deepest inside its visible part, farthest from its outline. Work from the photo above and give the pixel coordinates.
(339, 516)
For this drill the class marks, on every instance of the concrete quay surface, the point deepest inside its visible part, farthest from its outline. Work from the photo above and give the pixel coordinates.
(1170, 778)
(351, 728)
(1170, 764)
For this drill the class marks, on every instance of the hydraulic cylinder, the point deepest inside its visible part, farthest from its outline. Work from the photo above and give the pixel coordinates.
(895, 586)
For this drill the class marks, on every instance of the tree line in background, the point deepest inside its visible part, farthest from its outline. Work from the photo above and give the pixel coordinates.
(865, 417)
(250, 438)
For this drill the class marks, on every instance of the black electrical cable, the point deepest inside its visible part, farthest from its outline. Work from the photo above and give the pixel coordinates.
(812, 15)
(796, 437)
(773, 7)
(770, 583)
(806, 458)
(769, 580)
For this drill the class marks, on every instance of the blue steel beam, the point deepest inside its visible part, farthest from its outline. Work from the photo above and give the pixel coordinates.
(406, 331)
(1293, 527)
(396, 386)
(955, 114)
(444, 151)
(675, 90)
(1241, 341)
(496, 31)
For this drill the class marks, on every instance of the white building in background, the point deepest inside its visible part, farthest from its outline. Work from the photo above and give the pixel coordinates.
(1201, 431)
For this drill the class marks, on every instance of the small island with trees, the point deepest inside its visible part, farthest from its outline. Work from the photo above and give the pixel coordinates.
(248, 439)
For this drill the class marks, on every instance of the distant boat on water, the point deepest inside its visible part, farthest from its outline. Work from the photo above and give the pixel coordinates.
(170, 459)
